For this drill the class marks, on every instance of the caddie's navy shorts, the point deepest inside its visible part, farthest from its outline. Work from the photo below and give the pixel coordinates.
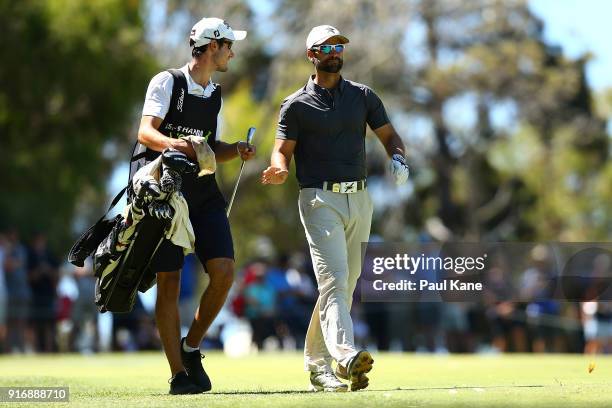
(213, 240)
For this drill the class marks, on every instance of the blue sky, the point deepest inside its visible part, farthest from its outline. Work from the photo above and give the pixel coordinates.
(581, 26)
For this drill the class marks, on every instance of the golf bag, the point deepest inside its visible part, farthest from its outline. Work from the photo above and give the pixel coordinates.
(124, 246)
(121, 262)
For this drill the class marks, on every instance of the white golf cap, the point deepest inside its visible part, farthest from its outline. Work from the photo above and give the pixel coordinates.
(322, 33)
(212, 28)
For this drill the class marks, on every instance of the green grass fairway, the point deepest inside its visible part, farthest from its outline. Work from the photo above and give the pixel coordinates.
(277, 380)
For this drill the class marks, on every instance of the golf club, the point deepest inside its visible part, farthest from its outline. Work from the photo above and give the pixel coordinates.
(249, 138)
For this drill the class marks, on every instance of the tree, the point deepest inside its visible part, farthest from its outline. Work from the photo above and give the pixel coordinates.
(71, 74)
(493, 52)
(496, 119)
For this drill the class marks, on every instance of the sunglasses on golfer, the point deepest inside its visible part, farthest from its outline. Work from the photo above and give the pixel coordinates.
(328, 48)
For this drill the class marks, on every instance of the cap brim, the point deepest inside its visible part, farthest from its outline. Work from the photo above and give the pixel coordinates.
(343, 39)
(340, 37)
(199, 43)
(239, 35)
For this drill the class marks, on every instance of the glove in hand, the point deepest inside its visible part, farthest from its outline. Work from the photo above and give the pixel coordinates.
(399, 169)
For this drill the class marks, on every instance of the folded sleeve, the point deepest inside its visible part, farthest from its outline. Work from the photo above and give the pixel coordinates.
(376, 113)
(287, 122)
(159, 93)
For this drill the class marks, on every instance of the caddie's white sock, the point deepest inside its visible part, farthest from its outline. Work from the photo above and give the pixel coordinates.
(187, 348)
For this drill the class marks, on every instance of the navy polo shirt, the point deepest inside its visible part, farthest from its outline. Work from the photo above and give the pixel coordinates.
(329, 127)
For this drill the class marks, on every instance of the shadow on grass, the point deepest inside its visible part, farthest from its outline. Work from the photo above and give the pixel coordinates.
(297, 392)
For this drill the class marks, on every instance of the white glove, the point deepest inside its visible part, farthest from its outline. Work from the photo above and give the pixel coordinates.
(399, 169)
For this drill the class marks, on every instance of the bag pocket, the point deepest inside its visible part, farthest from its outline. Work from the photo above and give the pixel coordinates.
(89, 241)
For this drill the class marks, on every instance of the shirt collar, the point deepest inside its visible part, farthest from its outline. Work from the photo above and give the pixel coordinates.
(193, 88)
(311, 86)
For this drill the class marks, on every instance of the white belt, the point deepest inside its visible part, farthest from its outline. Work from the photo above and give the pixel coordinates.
(344, 187)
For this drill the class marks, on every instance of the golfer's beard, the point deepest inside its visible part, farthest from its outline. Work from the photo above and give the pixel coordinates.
(333, 66)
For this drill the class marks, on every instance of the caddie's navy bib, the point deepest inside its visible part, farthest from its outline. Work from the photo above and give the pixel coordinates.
(188, 115)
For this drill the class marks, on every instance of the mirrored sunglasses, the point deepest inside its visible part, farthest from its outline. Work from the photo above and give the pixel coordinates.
(328, 48)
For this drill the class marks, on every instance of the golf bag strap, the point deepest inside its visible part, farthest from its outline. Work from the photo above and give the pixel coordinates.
(138, 156)
(114, 202)
(116, 199)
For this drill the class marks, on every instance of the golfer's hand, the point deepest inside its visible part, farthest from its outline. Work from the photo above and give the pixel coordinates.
(246, 151)
(399, 169)
(274, 175)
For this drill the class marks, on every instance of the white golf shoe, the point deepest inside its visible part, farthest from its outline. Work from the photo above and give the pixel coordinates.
(326, 381)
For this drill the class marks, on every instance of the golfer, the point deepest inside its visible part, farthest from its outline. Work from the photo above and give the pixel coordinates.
(323, 124)
(178, 103)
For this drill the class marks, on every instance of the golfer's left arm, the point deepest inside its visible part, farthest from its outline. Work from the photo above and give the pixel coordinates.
(390, 140)
(395, 150)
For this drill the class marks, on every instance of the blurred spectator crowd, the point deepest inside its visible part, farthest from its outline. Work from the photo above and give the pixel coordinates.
(47, 305)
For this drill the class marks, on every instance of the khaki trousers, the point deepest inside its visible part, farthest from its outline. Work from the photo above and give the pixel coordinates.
(335, 224)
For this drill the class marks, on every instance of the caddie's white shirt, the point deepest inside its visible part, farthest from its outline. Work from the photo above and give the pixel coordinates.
(159, 93)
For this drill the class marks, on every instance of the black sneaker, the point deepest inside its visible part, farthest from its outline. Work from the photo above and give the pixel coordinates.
(181, 384)
(193, 364)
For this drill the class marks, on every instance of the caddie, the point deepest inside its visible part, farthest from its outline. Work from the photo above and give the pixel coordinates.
(178, 103)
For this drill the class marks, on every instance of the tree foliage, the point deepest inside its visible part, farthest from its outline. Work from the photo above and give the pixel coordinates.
(494, 53)
(505, 138)
(455, 68)
(72, 72)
